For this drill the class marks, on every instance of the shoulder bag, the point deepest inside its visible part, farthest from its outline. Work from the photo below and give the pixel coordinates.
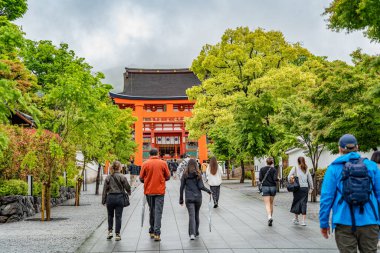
(295, 185)
(265, 177)
(125, 195)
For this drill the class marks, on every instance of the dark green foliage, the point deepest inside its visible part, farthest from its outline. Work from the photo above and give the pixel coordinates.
(353, 15)
(13, 9)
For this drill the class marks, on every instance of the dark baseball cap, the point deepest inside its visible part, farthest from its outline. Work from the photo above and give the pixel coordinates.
(348, 141)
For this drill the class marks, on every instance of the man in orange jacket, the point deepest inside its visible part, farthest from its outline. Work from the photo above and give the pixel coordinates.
(153, 174)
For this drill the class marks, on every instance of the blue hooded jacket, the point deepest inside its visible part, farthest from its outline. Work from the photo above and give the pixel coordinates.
(341, 211)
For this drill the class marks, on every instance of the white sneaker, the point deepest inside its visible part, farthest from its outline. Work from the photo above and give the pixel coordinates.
(295, 221)
(192, 237)
(303, 223)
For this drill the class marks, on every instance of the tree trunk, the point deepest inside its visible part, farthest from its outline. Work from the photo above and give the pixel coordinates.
(242, 171)
(77, 191)
(48, 201)
(43, 202)
(228, 169)
(98, 180)
(314, 192)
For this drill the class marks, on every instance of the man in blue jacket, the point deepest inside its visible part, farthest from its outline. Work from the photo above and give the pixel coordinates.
(363, 234)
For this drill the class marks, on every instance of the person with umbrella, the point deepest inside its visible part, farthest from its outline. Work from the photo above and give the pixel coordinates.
(192, 184)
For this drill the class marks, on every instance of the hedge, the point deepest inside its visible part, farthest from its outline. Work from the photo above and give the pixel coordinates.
(13, 187)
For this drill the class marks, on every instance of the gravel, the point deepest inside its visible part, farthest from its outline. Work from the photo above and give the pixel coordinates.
(60, 235)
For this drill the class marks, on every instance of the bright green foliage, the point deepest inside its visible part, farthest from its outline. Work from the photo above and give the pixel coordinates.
(346, 98)
(13, 9)
(244, 77)
(13, 187)
(353, 15)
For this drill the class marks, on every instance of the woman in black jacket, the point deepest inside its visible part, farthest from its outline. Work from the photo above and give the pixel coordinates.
(268, 179)
(192, 183)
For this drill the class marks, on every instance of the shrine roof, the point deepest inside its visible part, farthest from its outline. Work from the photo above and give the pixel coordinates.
(157, 83)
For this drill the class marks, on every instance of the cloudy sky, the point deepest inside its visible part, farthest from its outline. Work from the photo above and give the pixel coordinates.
(114, 34)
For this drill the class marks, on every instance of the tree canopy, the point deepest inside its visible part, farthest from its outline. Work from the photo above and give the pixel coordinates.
(354, 15)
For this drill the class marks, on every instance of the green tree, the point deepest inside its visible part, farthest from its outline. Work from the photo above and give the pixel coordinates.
(346, 97)
(13, 9)
(354, 15)
(232, 73)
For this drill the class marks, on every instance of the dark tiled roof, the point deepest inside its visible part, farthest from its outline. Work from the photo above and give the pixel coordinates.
(158, 83)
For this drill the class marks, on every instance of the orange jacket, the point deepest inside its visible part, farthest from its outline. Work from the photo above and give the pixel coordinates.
(153, 174)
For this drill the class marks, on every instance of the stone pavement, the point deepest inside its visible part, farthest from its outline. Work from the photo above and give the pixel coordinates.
(239, 225)
(283, 198)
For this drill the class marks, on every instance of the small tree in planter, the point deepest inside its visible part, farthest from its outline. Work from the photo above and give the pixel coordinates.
(46, 159)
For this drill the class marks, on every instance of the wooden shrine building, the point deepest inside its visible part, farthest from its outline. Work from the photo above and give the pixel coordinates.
(158, 100)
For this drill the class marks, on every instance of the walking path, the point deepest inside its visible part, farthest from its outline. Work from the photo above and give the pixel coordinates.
(239, 225)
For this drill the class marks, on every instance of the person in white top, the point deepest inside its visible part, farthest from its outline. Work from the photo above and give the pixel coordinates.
(299, 205)
(214, 179)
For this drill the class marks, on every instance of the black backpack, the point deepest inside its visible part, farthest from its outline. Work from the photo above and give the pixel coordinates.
(357, 187)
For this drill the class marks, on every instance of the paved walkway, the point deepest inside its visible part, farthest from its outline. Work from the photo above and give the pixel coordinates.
(283, 198)
(238, 225)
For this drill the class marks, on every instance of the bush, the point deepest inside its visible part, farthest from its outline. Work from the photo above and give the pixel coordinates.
(55, 189)
(71, 183)
(320, 174)
(13, 187)
(37, 189)
(285, 173)
(248, 175)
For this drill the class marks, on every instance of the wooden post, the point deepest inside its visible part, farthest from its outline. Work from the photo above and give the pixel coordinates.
(43, 202)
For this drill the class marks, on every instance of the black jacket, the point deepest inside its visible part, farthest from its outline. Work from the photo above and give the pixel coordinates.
(271, 178)
(192, 186)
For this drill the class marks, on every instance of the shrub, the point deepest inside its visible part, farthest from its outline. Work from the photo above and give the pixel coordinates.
(71, 183)
(13, 187)
(320, 173)
(247, 174)
(55, 189)
(286, 172)
(37, 189)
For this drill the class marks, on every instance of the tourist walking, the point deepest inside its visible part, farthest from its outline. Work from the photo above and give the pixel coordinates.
(204, 169)
(300, 196)
(350, 189)
(114, 198)
(268, 179)
(192, 184)
(214, 179)
(376, 158)
(183, 165)
(153, 174)
(134, 172)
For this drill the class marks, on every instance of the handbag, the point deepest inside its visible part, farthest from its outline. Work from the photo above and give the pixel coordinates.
(295, 185)
(125, 195)
(265, 177)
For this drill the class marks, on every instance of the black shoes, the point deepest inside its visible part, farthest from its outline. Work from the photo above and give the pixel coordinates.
(215, 205)
(270, 221)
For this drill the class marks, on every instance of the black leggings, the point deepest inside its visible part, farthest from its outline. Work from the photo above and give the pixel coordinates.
(115, 207)
(193, 207)
(215, 193)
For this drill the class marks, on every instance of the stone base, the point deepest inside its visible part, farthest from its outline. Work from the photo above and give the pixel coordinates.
(17, 207)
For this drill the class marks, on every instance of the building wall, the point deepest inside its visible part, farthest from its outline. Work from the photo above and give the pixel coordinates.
(324, 161)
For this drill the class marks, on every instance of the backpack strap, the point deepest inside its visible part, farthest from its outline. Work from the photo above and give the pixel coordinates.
(118, 184)
(266, 175)
(353, 228)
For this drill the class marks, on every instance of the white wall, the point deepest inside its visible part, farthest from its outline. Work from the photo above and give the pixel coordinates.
(325, 160)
